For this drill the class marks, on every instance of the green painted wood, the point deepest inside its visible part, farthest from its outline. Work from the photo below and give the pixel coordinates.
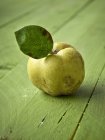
(92, 125)
(30, 114)
(52, 20)
(13, 9)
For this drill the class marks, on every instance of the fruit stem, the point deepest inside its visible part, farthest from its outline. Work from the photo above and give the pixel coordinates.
(54, 52)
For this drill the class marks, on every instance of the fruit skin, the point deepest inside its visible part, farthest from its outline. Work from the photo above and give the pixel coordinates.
(60, 73)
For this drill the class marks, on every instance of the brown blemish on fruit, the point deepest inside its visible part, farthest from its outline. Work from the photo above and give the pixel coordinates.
(43, 83)
(68, 81)
(44, 86)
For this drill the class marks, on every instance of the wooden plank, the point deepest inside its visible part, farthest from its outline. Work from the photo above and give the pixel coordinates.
(13, 9)
(52, 20)
(30, 114)
(92, 125)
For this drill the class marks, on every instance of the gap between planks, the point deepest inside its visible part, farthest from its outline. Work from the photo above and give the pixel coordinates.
(20, 16)
(66, 22)
(81, 117)
(75, 14)
(14, 19)
(61, 26)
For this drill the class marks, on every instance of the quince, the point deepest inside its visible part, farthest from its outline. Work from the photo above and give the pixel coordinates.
(60, 72)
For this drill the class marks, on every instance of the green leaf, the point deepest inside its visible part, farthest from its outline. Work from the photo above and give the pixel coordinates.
(34, 41)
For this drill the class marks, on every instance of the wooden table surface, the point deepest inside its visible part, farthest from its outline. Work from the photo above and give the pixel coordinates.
(26, 113)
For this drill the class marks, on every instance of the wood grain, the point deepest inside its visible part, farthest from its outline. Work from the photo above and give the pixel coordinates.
(27, 113)
(14, 9)
(92, 125)
(51, 20)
